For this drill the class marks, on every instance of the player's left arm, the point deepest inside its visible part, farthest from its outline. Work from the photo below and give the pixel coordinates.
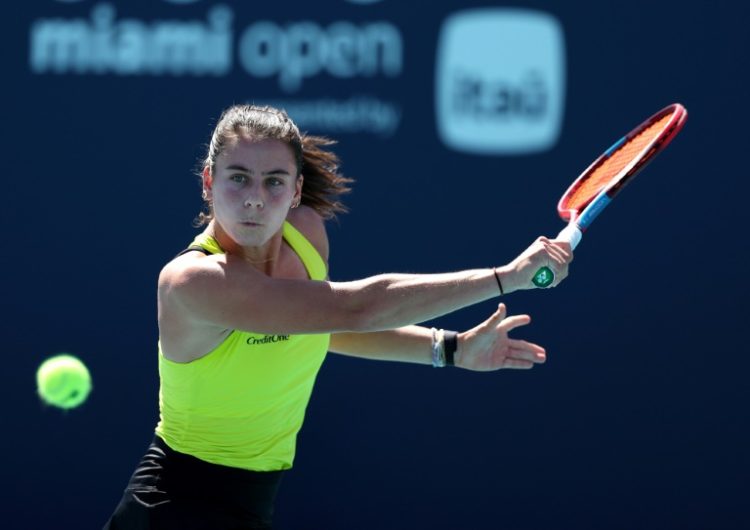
(482, 348)
(410, 344)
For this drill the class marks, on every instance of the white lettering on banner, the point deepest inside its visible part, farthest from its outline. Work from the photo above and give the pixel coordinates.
(300, 50)
(500, 80)
(104, 45)
(305, 49)
(358, 114)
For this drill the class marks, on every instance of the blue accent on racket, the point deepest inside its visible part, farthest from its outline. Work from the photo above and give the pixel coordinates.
(615, 145)
(593, 210)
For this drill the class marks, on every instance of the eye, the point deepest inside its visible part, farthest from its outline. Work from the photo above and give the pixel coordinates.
(238, 177)
(274, 182)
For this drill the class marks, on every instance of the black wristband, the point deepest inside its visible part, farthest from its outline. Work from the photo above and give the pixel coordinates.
(451, 344)
(497, 278)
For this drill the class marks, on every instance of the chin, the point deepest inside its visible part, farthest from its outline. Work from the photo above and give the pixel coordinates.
(257, 238)
(248, 241)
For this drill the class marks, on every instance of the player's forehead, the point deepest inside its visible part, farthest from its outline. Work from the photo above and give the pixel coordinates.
(256, 154)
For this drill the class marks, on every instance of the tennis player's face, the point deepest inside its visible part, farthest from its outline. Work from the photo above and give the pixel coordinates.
(253, 187)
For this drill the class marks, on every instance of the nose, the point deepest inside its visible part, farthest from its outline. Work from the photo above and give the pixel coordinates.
(254, 200)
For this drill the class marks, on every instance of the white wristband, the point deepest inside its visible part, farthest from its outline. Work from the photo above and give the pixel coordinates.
(438, 348)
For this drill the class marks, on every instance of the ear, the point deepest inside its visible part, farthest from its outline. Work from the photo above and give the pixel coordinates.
(298, 189)
(207, 182)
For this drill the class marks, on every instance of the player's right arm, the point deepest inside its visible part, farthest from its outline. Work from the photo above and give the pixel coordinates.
(222, 291)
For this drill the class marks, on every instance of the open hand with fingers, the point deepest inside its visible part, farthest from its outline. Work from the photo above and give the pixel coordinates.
(487, 346)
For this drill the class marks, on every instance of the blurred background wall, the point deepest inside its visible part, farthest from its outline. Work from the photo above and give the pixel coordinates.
(462, 123)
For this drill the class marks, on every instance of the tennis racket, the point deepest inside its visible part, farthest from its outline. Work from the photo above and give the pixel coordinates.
(595, 188)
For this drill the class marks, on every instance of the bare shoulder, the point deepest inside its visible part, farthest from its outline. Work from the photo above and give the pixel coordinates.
(194, 275)
(312, 226)
(179, 272)
(185, 284)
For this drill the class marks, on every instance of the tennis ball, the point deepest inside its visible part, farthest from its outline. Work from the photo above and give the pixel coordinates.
(63, 381)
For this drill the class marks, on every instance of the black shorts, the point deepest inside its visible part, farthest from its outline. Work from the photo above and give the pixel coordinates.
(175, 490)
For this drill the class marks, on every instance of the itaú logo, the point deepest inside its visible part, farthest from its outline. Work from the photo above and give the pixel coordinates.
(500, 81)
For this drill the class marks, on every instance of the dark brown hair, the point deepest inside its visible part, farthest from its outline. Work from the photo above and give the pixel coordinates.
(323, 183)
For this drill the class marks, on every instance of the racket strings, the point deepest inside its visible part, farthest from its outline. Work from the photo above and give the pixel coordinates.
(610, 169)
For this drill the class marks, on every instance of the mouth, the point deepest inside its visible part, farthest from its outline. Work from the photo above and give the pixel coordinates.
(250, 223)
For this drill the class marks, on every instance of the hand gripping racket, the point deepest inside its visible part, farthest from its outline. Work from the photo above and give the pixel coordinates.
(595, 188)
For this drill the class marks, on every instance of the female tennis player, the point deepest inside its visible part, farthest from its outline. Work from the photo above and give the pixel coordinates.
(247, 314)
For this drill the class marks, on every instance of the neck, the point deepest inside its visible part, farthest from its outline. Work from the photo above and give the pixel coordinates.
(265, 258)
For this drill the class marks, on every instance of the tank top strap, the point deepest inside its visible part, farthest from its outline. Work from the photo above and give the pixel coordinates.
(311, 258)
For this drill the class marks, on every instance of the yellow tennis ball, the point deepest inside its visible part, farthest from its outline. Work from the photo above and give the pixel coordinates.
(63, 381)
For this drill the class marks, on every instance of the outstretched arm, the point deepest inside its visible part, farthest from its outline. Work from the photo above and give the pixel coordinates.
(221, 291)
(409, 344)
(483, 348)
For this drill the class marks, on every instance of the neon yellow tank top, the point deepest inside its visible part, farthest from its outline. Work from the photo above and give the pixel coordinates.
(242, 404)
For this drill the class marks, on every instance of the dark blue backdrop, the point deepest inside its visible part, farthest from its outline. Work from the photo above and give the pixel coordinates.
(638, 419)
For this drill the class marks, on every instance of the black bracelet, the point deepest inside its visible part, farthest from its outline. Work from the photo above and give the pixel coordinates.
(451, 345)
(497, 277)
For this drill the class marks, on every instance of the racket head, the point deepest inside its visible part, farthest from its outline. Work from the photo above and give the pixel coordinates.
(622, 161)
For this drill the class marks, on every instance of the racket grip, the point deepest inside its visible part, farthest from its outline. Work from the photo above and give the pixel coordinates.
(570, 234)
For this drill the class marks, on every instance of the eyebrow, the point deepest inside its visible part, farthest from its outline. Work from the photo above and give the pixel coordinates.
(236, 167)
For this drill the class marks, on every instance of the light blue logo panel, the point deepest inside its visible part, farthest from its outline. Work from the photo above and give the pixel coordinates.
(500, 81)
